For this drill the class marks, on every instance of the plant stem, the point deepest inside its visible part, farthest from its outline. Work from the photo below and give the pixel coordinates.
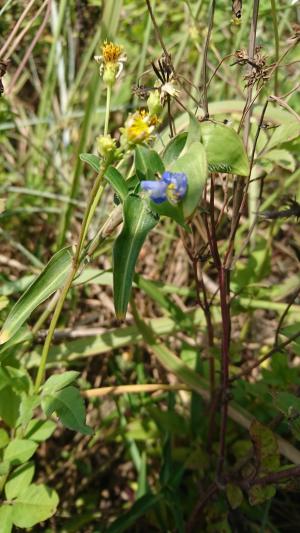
(55, 317)
(224, 280)
(133, 389)
(107, 110)
(204, 63)
(95, 197)
(276, 39)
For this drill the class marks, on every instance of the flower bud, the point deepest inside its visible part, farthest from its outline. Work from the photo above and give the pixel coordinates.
(106, 146)
(111, 62)
(154, 104)
(110, 71)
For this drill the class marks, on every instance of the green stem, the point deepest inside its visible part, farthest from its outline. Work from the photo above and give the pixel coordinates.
(94, 198)
(276, 37)
(107, 110)
(55, 317)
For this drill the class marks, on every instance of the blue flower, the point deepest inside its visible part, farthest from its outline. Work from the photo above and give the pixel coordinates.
(172, 187)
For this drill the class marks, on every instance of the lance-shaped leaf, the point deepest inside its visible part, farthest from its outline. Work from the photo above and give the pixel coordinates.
(116, 180)
(92, 160)
(49, 280)
(138, 221)
(224, 149)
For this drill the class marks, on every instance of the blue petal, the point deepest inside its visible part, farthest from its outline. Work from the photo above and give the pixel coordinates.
(176, 185)
(157, 190)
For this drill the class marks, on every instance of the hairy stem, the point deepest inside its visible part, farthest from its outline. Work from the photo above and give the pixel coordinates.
(95, 197)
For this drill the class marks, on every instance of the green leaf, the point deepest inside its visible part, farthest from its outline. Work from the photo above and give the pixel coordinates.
(92, 160)
(265, 446)
(59, 381)
(284, 133)
(193, 134)
(4, 438)
(40, 430)
(9, 406)
(147, 163)
(224, 149)
(49, 280)
(142, 477)
(3, 302)
(23, 334)
(16, 378)
(19, 451)
(35, 505)
(259, 494)
(69, 407)
(19, 480)
(174, 149)
(175, 212)
(234, 495)
(138, 221)
(27, 406)
(6, 519)
(116, 180)
(282, 158)
(289, 405)
(193, 163)
(286, 402)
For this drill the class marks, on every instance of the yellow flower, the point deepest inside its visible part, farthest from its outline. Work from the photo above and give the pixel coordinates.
(111, 62)
(139, 127)
(111, 52)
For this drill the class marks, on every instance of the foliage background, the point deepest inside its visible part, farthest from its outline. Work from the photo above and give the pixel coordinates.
(151, 446)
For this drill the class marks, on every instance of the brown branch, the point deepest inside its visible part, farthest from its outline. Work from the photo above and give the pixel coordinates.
(228, 258)
(273, 477)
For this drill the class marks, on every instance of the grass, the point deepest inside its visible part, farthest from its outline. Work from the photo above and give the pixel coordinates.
(152, 450)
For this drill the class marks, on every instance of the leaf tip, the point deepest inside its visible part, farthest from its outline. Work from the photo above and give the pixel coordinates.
(4, 337)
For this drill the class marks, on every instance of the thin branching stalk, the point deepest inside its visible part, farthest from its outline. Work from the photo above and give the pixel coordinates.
(276, 40)
(204, 62)
(229, 261)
